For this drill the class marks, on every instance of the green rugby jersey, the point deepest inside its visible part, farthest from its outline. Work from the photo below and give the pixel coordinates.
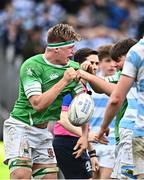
(114, 79)
(37, 75)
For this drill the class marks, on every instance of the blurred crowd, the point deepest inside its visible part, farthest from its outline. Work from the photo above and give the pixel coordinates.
(24, 23)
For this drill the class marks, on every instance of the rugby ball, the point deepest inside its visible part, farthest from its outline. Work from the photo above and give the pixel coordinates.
(80, 109)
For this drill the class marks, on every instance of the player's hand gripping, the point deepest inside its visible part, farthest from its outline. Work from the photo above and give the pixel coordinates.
(87, 66)
(81, 74)
(69, 75)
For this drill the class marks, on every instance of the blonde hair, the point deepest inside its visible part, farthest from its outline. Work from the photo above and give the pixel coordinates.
(62, 33)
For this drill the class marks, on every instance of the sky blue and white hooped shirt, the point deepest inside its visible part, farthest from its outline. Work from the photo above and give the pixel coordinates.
(134, 67)
(130, 115)
(100, 102)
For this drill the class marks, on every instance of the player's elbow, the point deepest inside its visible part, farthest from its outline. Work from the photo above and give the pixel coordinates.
(115, 100)
(62, 122)
(37, 106)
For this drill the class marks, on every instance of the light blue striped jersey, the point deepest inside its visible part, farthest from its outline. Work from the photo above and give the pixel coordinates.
(100, 102)
(130, 115)
(134, 67)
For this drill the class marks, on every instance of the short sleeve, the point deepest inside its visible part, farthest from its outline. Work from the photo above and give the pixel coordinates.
(30, 80)
(66, 102)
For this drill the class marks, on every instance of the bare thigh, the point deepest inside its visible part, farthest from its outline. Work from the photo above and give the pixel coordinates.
(105, 173)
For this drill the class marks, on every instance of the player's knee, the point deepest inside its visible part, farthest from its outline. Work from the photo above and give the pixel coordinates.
(20, 168)
(21, 173)
(46, 171)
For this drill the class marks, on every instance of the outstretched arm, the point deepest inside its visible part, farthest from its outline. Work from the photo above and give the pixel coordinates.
(92, 136)
(98, 84)
(115, 102)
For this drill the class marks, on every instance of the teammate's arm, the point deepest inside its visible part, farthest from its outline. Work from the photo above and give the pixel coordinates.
(67, 125)
(115, 102)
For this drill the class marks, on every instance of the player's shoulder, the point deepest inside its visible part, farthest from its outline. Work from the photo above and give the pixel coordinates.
(33, 60)
(33, 63)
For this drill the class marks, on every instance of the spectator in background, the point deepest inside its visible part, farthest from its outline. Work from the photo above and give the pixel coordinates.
(118, 15)
(110, 20)
(101, 11)
(86, 14)
(33, 45)
(133, 19)
(51, 11)
(140, 29)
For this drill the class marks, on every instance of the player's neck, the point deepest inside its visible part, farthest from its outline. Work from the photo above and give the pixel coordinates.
(50, 58)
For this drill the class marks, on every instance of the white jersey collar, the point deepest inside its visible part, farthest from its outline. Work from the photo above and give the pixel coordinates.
(54, 65)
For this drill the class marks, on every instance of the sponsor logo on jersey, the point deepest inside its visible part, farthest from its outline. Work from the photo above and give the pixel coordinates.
(54, 76)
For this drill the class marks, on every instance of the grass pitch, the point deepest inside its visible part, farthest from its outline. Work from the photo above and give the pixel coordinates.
(4, 171)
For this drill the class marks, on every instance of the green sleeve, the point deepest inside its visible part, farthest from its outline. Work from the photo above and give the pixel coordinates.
(119, 116)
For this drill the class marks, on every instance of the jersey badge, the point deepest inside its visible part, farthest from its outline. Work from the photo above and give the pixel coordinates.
(29, 71)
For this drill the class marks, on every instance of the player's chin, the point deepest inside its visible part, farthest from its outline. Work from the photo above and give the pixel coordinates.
(111, 72)
(65, 63)
(94, 72)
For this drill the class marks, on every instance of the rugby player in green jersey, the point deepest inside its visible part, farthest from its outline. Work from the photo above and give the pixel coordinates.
(44, 80)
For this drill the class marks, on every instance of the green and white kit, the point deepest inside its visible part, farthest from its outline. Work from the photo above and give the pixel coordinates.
(37, 75)
(114, 79)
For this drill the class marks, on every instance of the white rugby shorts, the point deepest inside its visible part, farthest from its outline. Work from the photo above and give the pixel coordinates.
(23, 140)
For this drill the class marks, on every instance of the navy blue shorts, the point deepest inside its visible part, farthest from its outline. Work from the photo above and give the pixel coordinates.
(72, 168)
